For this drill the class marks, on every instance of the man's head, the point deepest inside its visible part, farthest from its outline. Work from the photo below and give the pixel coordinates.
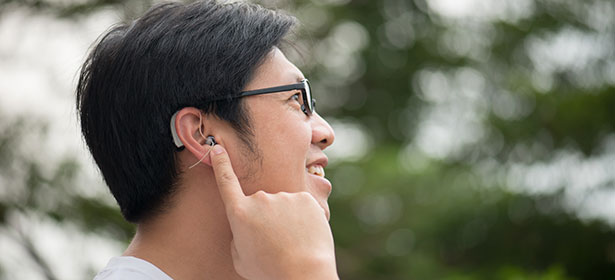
(140, 73)
(178, 58)
(289, 139)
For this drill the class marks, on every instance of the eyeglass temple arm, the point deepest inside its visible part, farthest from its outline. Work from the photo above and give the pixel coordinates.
(272, 89)
(262, 91)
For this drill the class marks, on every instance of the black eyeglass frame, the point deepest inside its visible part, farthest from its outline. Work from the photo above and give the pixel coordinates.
(306, 93)
(304, 86)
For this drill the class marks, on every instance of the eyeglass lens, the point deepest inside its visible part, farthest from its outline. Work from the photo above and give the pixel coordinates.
(309, 102)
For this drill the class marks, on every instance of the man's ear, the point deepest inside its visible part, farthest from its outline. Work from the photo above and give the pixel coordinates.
(192, 129)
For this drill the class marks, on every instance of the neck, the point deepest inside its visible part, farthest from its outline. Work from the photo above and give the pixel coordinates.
(191, 240)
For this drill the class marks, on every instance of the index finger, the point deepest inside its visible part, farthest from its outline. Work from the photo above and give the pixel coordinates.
(227, 181)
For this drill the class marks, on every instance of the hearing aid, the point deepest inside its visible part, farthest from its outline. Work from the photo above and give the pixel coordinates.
(178, 142)
(209, 140)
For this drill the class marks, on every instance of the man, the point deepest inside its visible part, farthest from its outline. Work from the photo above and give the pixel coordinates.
(207, 137)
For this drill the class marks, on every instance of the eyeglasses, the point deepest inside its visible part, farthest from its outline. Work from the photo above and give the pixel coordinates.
(308, 104)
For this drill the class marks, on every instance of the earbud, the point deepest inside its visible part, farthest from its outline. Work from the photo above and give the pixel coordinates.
(209, 140)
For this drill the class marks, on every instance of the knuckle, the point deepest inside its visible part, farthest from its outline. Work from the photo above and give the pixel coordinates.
(265, 200)
(307, 197)
(260, 194)
(227, 176)
(304, 195)
(220, 161)
(284, 194)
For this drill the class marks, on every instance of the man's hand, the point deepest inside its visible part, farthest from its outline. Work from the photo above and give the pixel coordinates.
(275, 236)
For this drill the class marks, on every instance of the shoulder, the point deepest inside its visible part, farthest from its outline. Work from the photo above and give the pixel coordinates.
(122, 268)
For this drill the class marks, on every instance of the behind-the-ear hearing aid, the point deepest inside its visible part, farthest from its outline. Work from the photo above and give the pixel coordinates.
(209, 140)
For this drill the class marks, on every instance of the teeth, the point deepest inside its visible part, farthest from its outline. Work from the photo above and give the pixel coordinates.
(316, 170)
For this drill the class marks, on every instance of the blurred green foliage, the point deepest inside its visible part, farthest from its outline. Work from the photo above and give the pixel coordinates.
(407, 208)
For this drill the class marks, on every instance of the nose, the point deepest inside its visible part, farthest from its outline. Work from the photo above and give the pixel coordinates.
(322, 133)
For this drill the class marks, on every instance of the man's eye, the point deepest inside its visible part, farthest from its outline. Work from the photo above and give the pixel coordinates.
(296, 97)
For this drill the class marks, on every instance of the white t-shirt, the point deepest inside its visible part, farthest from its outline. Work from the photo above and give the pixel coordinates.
(125, 268)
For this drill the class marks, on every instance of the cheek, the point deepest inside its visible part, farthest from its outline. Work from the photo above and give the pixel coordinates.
(284, 144)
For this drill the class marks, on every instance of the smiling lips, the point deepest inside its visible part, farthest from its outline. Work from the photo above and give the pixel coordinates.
(317, 170)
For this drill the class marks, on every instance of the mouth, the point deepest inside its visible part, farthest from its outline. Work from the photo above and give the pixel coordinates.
(316, 169)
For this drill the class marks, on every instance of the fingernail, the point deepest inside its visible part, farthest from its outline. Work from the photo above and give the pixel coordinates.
(218, 149)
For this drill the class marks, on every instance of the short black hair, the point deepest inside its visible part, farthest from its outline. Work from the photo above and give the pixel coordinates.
(140, 73)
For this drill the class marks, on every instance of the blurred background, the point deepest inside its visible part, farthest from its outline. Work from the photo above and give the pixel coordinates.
(475, 139)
